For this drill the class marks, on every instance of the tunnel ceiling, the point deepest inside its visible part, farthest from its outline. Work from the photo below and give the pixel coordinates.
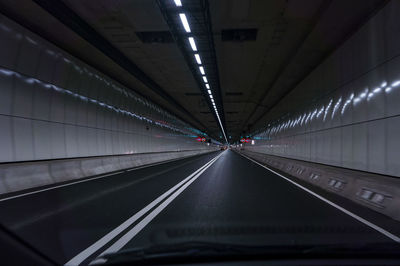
(263, 49)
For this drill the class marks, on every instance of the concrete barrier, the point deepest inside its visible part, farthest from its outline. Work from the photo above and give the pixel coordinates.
(3, 187)
(26, 175)
(92, 167)
(15, 176)
(378, 192)
(64, 170)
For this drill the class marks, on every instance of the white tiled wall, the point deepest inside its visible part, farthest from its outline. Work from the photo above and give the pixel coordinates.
(54, 106)
(362, 79)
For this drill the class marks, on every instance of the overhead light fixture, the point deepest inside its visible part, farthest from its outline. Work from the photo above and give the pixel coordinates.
(202, 70)
(198, 60)
(193, 45)
(185, 22)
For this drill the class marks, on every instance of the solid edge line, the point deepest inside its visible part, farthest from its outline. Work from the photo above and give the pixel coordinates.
(59, 186)
(83, 255)
(120, 243)
(94, 178)
(355, 216)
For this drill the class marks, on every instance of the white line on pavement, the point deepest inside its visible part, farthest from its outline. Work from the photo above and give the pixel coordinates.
(82, 256)
(137, 228)
(355, 216)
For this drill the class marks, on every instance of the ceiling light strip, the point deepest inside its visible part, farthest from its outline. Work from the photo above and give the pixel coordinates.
(185, 22)
(178, 2)
(198, 59)
(202, 70)
(192, 43)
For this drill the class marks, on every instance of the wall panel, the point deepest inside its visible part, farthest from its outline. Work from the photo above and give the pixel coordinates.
(354, 122)
(54, 106)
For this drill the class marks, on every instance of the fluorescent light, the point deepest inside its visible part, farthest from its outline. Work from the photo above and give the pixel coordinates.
(210, 96)
(198, 60)
(205, 79)
(209, 91)
(185, 22)
(396, 83)
(207, 86)
(178, 2)
(193, 44)
(202, 70)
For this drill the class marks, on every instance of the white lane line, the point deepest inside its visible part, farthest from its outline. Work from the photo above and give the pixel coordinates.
(88, 179)
(355, 216)
(111, 235)
(59, 186)
(145, 221)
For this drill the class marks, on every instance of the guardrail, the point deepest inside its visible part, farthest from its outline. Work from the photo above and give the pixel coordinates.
(378, 192)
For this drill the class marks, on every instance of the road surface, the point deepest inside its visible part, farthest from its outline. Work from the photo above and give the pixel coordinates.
(217, 197)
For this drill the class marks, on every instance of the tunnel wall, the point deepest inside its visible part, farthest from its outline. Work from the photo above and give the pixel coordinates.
(53, 106)
(354, 122)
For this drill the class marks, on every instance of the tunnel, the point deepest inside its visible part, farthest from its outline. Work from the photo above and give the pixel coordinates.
(149, 132)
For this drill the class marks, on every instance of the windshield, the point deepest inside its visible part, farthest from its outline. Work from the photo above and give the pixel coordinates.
(136, 130)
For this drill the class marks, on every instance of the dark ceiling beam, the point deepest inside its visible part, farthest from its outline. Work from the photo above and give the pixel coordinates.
(324, 6)
(69, 18)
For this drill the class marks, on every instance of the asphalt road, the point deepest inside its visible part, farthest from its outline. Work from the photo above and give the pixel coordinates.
(230, 199)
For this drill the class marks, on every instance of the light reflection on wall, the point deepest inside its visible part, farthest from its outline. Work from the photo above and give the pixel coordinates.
(172, 122)
(30, 80)
(367, 94)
